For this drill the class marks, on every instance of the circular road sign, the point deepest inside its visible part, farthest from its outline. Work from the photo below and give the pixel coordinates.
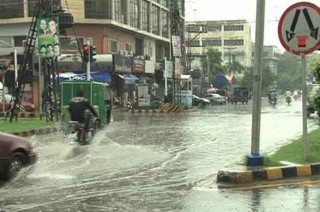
(299, 28)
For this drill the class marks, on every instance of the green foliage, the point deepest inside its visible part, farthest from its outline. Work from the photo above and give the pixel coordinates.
(24, 124)
(268, 79)
(233, 67)
(289, 72)
(294, 152)
(212, 63)
(315, 67)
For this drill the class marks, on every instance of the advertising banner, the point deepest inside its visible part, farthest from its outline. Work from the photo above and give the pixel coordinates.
(122, 64)
(48, 37)
(176, 45)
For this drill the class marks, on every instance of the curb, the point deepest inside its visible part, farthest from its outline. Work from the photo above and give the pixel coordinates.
(268, 174)
(29, 133)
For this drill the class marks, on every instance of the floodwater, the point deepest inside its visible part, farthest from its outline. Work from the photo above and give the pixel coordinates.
(150, 163)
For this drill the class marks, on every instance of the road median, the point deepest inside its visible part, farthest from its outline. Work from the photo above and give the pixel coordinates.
(27, 127)
(292, 153)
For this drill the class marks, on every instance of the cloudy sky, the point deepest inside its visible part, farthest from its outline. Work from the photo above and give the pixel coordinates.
(242, 9)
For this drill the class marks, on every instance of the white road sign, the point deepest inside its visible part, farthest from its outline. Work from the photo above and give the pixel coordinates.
(298, 28)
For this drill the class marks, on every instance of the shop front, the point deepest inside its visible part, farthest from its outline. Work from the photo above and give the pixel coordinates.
(147, 87)
(123, 79)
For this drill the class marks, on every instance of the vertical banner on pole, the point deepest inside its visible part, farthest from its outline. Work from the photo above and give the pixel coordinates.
(176, 45)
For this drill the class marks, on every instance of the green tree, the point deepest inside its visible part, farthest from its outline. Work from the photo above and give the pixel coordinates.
(289, 72)
(315, 67)
(212, 63)
(233, 67)
(268, 78)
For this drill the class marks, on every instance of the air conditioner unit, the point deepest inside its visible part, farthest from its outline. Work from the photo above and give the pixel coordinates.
(87, 41)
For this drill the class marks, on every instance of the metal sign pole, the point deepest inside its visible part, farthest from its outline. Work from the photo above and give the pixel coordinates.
(304, 106)
(255, 159)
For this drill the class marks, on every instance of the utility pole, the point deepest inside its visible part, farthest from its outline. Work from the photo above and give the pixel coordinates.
(177, 30)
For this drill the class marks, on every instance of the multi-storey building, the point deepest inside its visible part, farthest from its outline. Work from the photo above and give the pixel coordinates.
(231, 37)
(271, 57)
(137, 27)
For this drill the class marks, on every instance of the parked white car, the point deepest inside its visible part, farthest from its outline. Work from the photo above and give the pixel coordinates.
(216, 99)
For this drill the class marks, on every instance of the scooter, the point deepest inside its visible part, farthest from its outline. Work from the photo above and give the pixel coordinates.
(288, 100)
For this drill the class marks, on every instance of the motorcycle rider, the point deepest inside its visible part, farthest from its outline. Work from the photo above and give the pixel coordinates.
(77, 108)
(272, 96)
(288, 95)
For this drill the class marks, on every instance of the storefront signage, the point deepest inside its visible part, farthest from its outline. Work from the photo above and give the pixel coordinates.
(122, 64)
(138, 65)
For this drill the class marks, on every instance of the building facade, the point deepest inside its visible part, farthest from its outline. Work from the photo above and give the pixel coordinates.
(126, 27)
(231, 37)
(271, 57)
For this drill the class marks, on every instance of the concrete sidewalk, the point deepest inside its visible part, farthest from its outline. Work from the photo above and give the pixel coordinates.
(243, 174)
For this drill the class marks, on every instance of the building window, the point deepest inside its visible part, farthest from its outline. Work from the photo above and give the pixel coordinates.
(128, 47)
(139, 46)
(11, 9)
(165, 24)
(155, 19)
(113, 46)
(31, 7)
(70, 44)
(214, 28)
(133, 13)
(18, 40)
(145, 16)
(120, 11)
(97, 9)
(211, 43)
(234, 42)
(233, 28)
(194, 43)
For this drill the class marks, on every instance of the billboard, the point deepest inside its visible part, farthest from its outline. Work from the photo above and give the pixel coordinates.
(48, 37)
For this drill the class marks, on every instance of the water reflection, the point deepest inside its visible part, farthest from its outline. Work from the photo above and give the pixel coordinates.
(256, 200)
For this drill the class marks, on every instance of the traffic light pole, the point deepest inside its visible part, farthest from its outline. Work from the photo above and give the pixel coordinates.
(88, 63)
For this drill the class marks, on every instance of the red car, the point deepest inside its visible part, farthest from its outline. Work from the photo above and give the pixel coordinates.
(15, 154)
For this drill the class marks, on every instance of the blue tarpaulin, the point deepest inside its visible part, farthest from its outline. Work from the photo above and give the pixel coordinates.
(99, 76)
(129, 78)
(220, 81)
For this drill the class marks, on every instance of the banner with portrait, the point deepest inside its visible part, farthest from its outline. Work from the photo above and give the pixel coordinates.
(48, 37)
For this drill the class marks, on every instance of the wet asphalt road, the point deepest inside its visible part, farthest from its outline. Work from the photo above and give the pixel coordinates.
(149, 163)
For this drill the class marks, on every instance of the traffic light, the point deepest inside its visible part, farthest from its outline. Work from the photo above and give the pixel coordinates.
(93, 52)
(162, 64)
(85, 52)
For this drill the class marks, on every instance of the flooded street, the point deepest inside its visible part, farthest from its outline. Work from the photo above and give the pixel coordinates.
(149, 163)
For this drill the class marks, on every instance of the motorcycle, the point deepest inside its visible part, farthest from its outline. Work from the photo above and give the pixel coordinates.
(79, 133)
(273, 101)
(288, 100)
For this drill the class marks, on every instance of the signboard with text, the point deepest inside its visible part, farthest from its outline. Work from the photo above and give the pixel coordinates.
(138, 65)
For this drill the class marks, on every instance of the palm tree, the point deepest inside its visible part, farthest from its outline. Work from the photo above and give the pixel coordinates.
(234, 67)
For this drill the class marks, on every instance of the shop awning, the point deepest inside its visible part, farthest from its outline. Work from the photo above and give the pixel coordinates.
(99, 76)
(129, 78)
